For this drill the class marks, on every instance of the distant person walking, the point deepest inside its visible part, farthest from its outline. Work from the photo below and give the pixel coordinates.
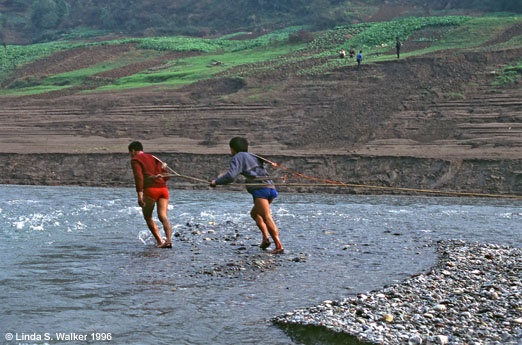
(398, 46)
(359, 59)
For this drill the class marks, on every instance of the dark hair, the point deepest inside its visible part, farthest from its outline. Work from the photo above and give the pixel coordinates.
(136, 146)
(239, 144)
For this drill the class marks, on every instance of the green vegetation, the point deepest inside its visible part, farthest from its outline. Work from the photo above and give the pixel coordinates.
(383, 34)
(48, 14)
(80, 33)
(478, 31)
(47, 20)
(181, 43)
(369, 35)
(509, 75)
(275, 51)
(16, 55)
(189, 70)
(455, 96)
(376, 38)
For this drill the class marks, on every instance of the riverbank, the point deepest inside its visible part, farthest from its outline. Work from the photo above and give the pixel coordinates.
(501, 176)
(471, 296)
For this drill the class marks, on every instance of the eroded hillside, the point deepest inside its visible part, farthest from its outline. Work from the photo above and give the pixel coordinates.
(441, 107)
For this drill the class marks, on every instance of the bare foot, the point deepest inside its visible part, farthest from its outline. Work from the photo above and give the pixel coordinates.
(165, 245)
(265, 244)
(278, 251)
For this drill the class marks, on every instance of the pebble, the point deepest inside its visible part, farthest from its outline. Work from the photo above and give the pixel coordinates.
(473, 295)
(440, 307)
(387, 317)
(441, 339)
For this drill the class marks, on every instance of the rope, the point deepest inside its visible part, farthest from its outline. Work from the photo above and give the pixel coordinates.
(186, 177)
(331, 183)
(298, 173)
(176, 174)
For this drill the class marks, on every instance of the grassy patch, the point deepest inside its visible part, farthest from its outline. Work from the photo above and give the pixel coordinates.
(383, 34)
(513, 42)
(76, 77)
(181, 43)
(509, 76)
(33, 90)
(454, 96)
(189, 70)
(475, 32)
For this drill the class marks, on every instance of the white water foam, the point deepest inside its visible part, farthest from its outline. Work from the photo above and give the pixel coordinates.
(145, 236)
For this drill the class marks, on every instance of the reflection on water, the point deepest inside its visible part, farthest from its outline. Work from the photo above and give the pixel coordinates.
(81, 259)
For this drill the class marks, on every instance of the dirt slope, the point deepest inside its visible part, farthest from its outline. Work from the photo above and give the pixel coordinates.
(382, 109)
(437, 108)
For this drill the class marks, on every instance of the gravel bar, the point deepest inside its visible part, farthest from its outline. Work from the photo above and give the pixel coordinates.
(472, 296)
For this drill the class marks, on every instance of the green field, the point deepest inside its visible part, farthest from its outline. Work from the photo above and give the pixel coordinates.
(273, 51)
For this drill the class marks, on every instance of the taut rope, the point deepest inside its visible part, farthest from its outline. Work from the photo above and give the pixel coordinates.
(331, 183)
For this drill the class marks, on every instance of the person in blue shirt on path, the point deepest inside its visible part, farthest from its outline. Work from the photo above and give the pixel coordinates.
(264, 192)
(359, 59)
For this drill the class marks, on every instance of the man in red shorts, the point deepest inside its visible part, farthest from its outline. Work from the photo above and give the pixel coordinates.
(152, 190)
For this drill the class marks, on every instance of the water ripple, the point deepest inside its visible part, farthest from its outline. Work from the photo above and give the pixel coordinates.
(81, 259)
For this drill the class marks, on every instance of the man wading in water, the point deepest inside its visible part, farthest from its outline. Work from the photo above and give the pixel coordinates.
(152, 190)
(251, 167)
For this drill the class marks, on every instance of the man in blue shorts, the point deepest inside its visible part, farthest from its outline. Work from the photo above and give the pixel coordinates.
(264, 193)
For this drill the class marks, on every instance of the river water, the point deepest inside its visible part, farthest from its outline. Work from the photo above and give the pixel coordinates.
(81, 260)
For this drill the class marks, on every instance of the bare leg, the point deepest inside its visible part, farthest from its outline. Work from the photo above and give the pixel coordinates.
(262, 212)
(147, 214)
(265, 243)
(163, 205)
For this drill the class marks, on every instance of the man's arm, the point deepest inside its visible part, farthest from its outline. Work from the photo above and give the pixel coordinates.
(138, 180)
(230, 175)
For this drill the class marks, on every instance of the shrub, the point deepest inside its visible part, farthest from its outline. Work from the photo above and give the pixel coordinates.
(301, 36)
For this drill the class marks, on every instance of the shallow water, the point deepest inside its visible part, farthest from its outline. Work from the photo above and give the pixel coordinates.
(81, 259)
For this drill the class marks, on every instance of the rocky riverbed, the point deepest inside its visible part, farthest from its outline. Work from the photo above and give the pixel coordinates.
(472, 296)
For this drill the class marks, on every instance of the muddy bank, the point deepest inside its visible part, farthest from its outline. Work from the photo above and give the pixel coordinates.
(113, 170)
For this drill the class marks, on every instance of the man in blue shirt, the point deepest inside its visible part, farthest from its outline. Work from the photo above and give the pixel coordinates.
(359, 59)
(263, 191)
